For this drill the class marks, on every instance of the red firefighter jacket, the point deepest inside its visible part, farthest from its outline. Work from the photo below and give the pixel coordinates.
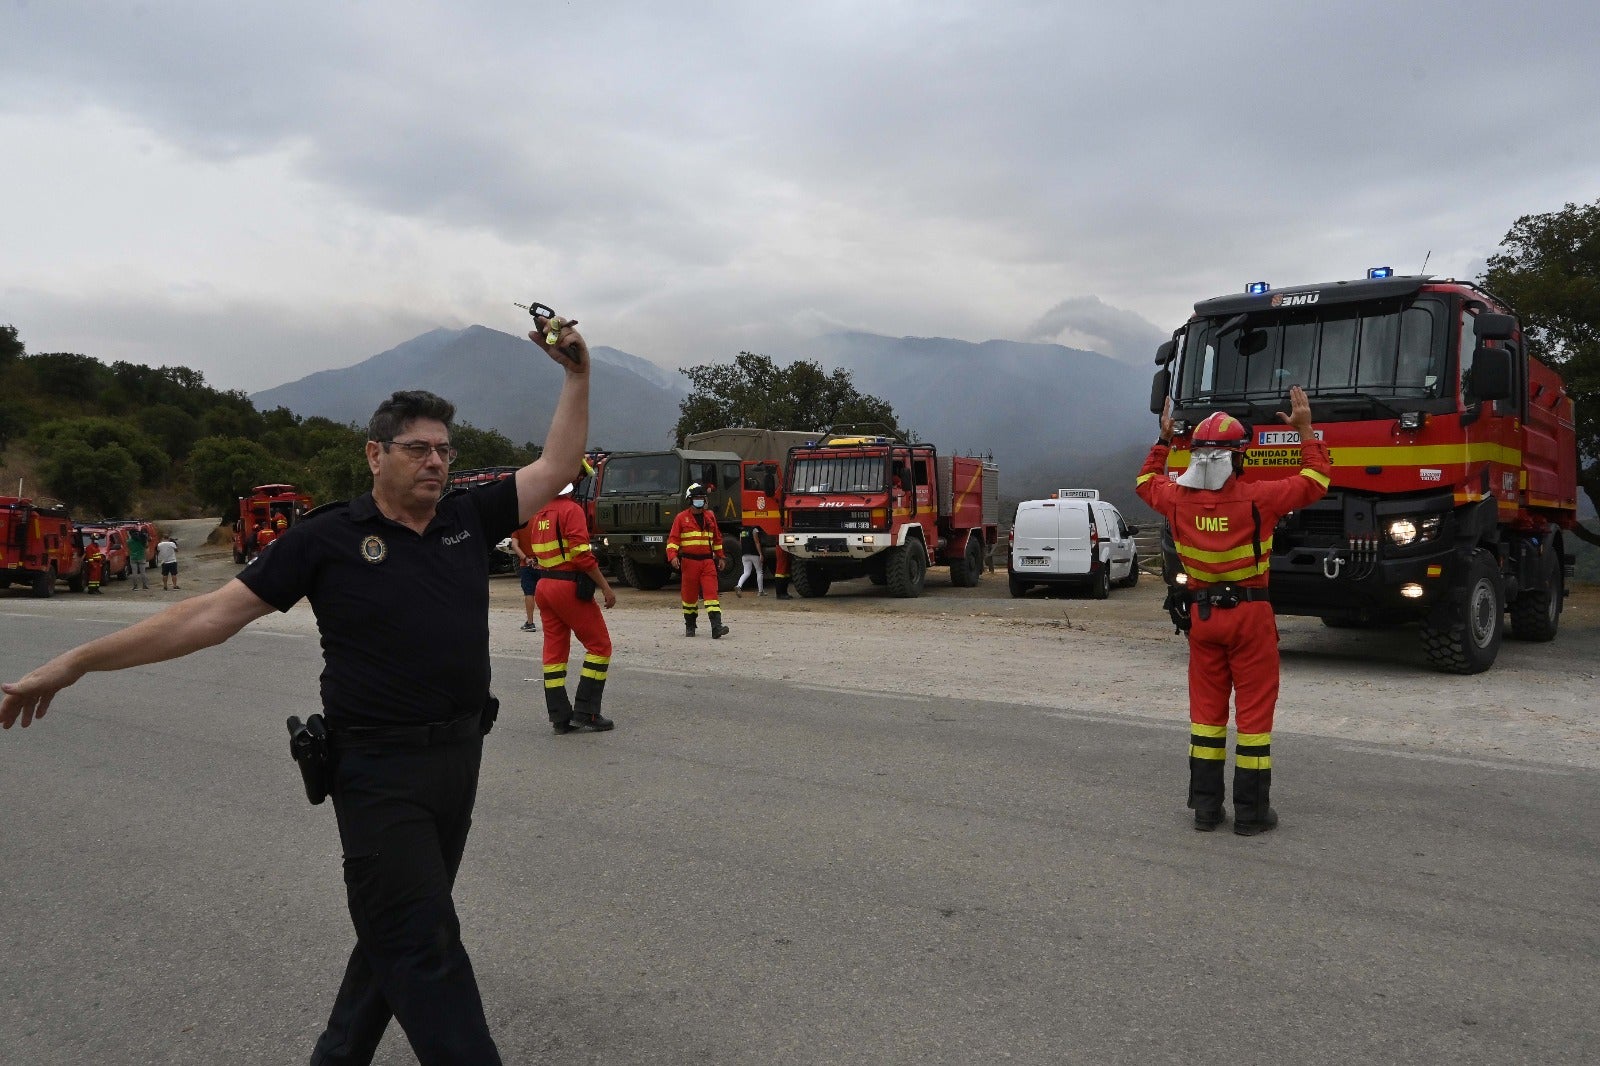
(695, 535)
(1225, 535)
(560, 538)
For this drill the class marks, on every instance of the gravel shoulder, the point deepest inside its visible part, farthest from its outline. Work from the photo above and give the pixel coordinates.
(1115, 657)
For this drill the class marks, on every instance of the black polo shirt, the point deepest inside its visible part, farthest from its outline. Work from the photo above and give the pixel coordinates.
(404, 617)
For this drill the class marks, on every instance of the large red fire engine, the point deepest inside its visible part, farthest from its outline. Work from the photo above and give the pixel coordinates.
(37, 546)
(1454, 457)
(265, 507)
(888, 510)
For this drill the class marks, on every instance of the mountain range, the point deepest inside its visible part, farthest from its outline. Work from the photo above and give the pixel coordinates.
(1051, 416)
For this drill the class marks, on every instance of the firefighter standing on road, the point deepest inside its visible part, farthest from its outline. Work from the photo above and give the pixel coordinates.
(1222, 529)
(695, 547)
(94, 565)
(561, 546)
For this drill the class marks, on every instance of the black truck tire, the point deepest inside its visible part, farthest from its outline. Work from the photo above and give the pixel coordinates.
(1100, 581)
(44, 584)
(1536, 616)
(643, 576)
(809, 579)
(907, 570)
(1017, 587)
(1467, 639)
(1133, 574)
(966, 571)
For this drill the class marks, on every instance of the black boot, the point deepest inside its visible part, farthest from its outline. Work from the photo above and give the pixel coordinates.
(586, 707)
(689, 624)
(1252, 795)
(557, 704)
(717, 628)
(1207, 752)
(783, 589)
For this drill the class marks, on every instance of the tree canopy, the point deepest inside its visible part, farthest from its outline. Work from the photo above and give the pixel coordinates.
(1548, 269)
(753, 391)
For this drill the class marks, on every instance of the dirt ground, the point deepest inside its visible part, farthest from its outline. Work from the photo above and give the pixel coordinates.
(1075, 656)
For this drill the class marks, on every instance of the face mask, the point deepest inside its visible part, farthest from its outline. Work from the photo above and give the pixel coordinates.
(698, 503)
(1209, 469)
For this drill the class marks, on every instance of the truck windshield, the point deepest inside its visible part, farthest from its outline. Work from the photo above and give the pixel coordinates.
(630, 474)
(837, 473)
(1393, 348)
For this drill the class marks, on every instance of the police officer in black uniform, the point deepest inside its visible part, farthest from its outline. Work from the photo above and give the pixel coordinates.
(399, 584)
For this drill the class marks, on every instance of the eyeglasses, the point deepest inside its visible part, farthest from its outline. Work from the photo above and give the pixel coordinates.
(419, 449)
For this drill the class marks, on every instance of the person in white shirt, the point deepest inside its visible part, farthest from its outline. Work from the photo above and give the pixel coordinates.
(167, 556)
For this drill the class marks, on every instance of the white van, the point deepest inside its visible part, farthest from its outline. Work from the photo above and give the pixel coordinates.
(1075, 539)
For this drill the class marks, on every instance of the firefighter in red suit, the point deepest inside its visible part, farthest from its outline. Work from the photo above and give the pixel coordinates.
(561, 545)
(694, 547)
(94, 565)
(1222, 528)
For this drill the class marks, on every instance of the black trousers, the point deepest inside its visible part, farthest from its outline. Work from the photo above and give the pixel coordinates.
(403, 820)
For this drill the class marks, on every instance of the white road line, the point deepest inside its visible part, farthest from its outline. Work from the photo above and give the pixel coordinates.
(1459, 760)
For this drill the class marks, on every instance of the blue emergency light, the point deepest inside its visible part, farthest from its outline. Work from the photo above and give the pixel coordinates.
(1257, 288)
(1374, 273)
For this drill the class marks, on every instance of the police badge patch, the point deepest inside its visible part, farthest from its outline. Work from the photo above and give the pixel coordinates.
(374, 550)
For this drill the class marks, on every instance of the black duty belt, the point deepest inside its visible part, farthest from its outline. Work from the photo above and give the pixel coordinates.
(467, 727)
(1226, 596)
(693, 555)
(561, 575)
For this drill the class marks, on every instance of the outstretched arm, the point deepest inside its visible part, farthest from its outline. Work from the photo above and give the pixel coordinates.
(196, 623)
(559, 463)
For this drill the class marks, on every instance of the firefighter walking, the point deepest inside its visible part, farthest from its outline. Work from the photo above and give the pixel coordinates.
(694, 548)
(1222, 530)
(569, 576)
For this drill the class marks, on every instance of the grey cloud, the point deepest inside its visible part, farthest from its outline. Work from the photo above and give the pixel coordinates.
(1088, 322)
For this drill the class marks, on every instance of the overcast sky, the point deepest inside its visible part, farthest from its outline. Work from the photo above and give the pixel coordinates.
(259, 191)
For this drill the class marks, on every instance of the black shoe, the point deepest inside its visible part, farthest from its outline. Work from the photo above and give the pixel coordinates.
(598, 723)
(717, 631)
(784, 596)
(563, 728)
(1256, 825)
(1207, 821)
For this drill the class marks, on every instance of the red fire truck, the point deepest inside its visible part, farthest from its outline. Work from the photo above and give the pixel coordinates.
(1454, 456)
(37, 546)
(265, 505)
(875, 506)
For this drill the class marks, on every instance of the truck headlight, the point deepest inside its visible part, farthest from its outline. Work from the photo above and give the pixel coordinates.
(1405, 532)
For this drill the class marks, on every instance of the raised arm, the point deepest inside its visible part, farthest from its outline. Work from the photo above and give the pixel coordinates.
(199, 622)
(540, 480)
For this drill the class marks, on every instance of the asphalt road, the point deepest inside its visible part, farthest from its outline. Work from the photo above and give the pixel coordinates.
(759, 871)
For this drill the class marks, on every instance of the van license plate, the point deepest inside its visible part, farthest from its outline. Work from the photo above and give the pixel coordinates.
(1034, 560)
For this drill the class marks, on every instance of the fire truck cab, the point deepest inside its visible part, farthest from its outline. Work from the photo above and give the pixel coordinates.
(37, 546)
(1454, 455)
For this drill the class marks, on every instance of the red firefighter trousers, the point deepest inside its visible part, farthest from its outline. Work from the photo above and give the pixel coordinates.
(699, 583)
(1234, 651)
(563, 615)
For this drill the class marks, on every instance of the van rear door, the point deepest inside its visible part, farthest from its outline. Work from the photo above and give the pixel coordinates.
(1073, 532)
(1033, 538)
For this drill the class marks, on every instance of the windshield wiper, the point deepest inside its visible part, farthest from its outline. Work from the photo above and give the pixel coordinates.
(1360, 397)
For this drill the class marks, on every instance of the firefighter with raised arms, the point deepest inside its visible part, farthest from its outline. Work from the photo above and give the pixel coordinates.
(1222, 529)
(570, 574)
(694, 548)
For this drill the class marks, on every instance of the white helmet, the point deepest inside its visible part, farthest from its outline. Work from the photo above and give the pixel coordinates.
(694, 490)
(566, 490)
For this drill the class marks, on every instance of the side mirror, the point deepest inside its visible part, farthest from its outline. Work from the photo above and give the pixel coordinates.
(1491, 373)
(1165, 352)
(1494, 327)
(1160, 386)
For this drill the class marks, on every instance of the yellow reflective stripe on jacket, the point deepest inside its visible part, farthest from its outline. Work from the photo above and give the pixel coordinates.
(1320, 479)
(1243, 551)
(1218, 576)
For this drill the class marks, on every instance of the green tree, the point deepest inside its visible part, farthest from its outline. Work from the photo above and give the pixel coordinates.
(69, 375)
(1548, 269)
(225, 468)
(11, 347)
(338, 472)
(96, 481)
(485, 447)
(754, 391)
(170, 426)
(150, 461)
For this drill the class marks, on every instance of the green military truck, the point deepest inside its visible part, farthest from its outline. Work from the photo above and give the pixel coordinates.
(638, 494)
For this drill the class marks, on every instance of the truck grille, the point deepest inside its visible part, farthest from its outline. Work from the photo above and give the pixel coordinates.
(826, 520)
(638, 515)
